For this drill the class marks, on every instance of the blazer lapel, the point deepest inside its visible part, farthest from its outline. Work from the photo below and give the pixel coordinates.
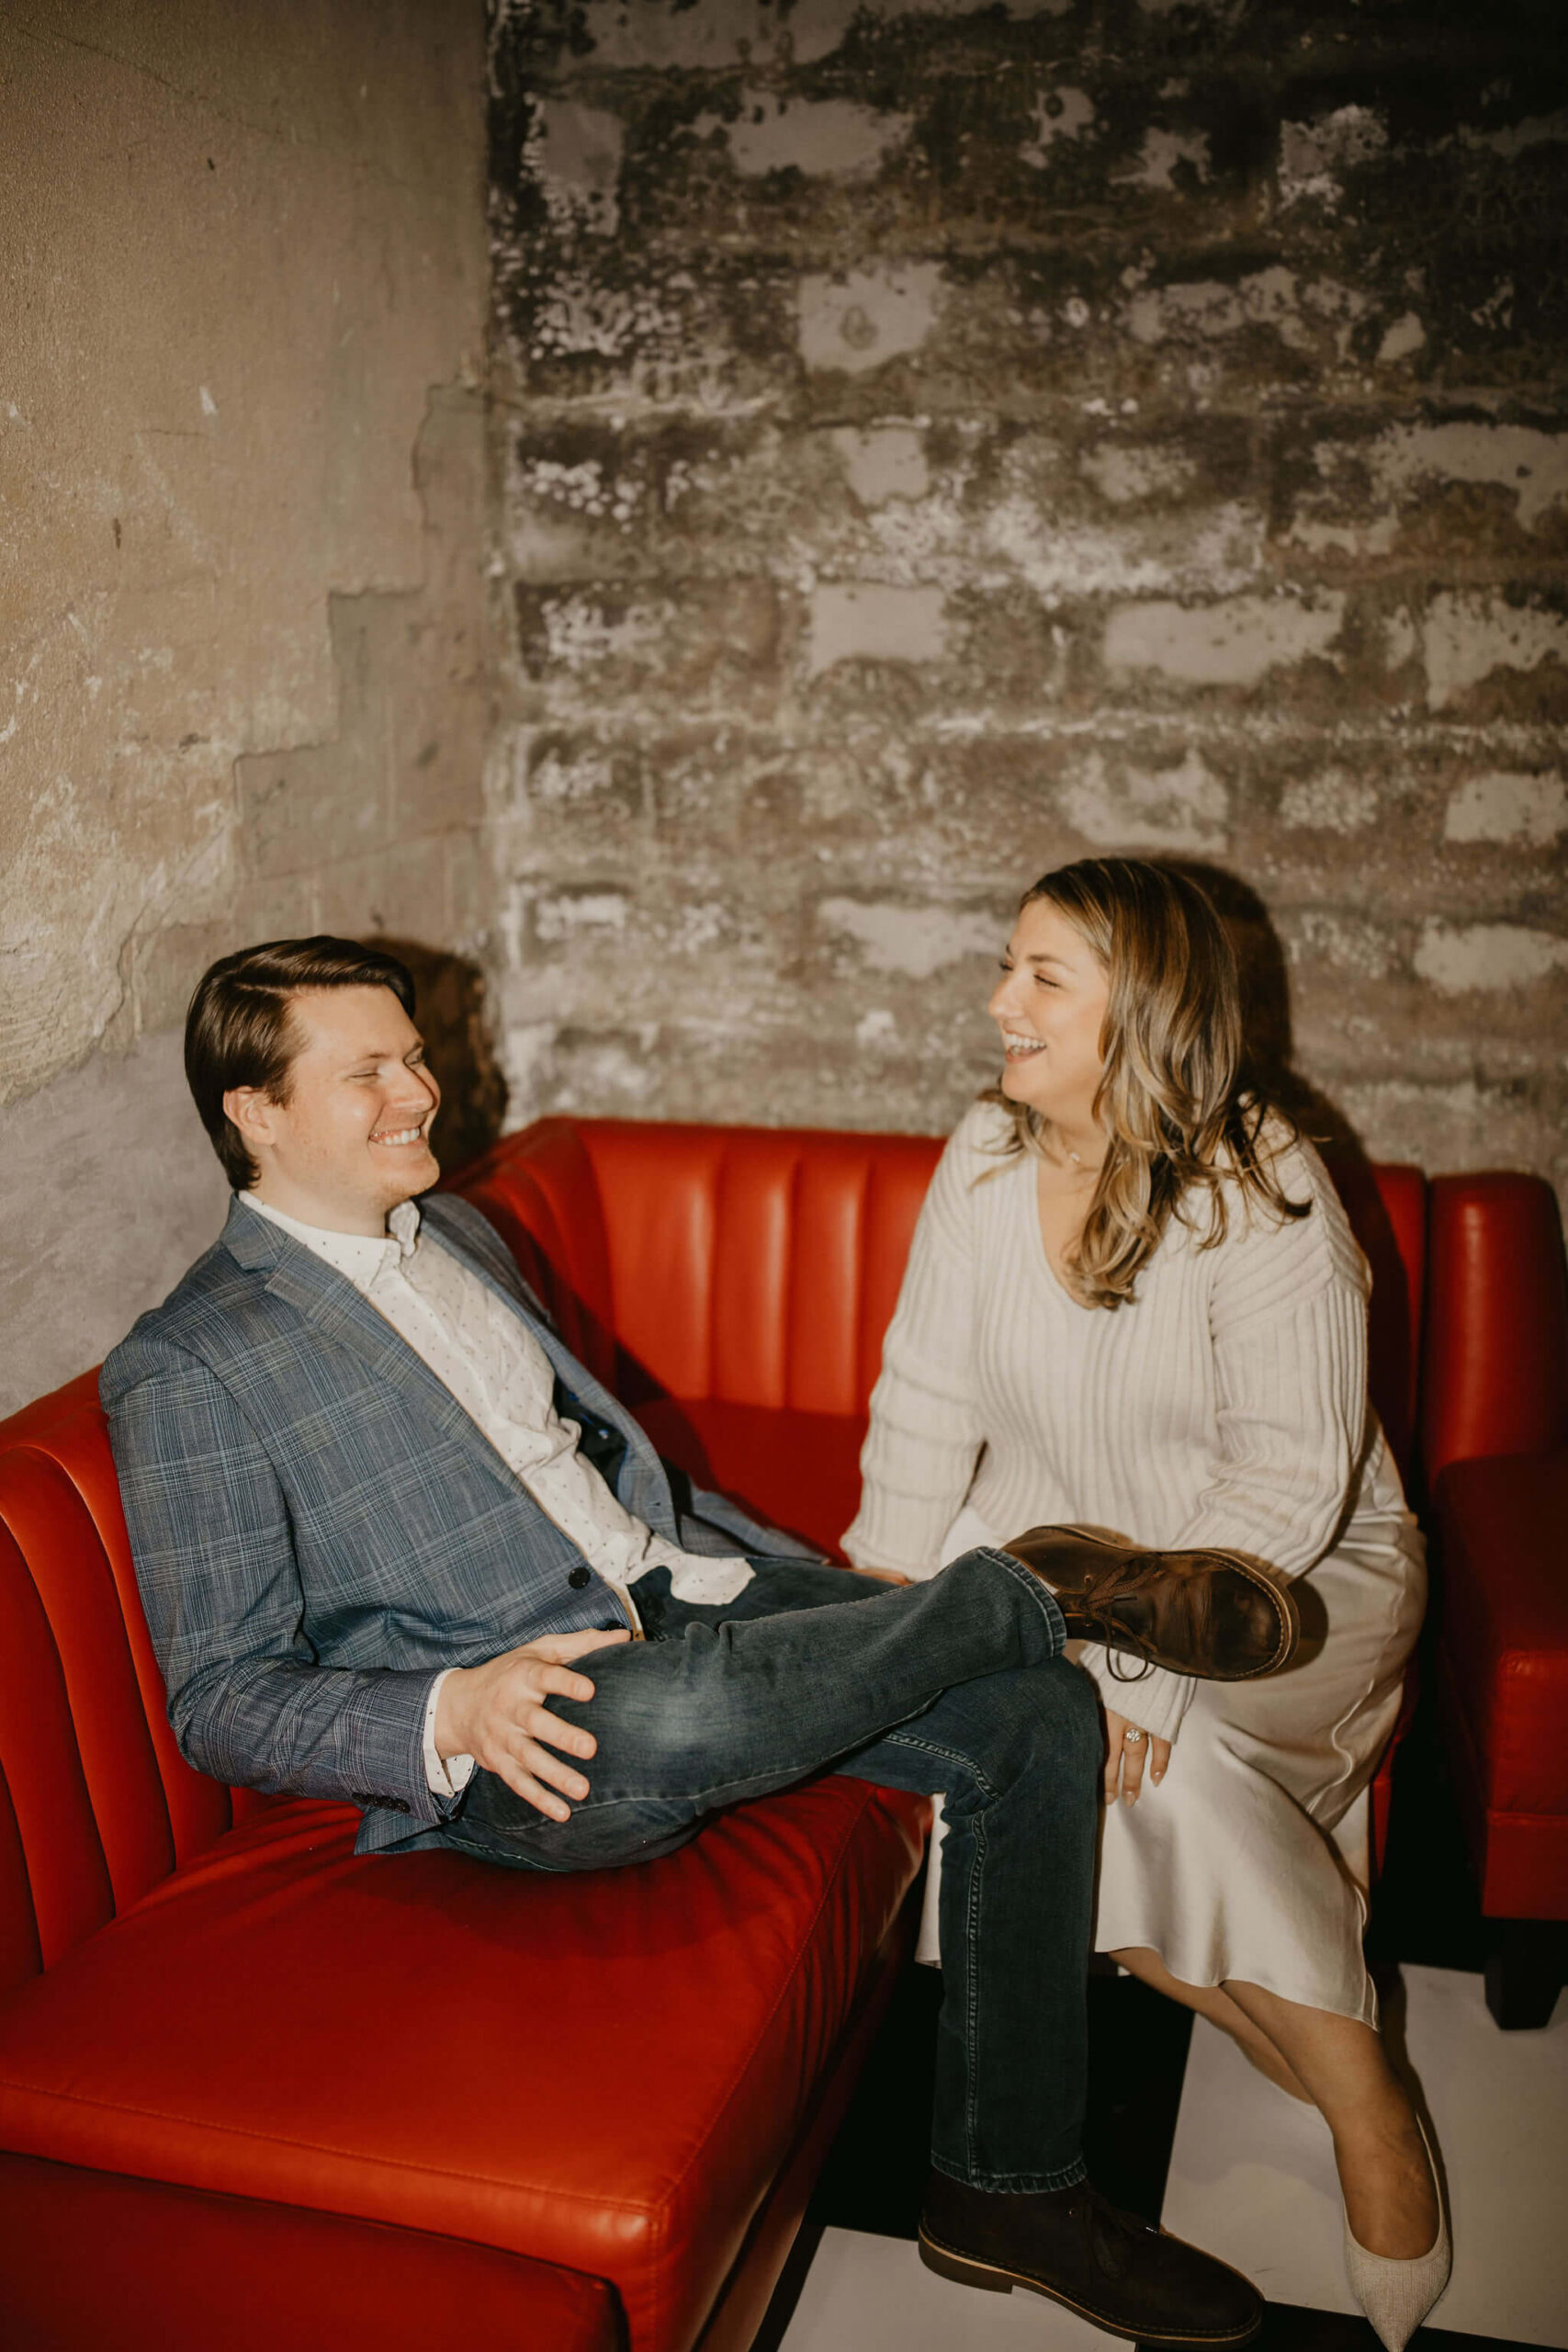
(330, 1301)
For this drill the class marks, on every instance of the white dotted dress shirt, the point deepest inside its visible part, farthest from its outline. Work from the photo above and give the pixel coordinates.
(504, 1380)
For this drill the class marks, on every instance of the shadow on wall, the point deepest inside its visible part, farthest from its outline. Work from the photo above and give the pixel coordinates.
(1267, 1041)
(1268, 1051)
(450, 1010)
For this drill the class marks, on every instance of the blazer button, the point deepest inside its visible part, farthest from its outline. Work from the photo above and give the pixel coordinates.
(579, 1577)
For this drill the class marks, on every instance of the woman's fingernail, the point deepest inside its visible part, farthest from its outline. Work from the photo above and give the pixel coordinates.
(1156, 1778)
(1130, 1796)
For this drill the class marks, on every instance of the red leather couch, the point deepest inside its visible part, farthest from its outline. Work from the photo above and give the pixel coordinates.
(254, 2091)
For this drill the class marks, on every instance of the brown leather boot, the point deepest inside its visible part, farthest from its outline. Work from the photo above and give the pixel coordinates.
(1109, 2266)
(1210, 1613)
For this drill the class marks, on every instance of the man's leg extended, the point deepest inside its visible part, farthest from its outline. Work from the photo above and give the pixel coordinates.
(728, 1702)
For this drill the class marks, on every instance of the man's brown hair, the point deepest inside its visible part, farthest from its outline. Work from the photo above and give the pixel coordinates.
(239, 1033)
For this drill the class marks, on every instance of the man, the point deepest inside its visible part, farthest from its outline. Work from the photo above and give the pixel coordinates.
(380, 1516)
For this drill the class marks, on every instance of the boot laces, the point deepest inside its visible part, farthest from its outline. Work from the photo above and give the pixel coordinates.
(1137, 1578)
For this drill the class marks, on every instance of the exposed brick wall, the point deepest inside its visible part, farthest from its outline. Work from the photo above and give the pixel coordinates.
(932, 446)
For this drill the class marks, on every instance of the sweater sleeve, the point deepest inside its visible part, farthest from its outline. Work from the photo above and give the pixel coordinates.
(1153, 1698)
(924, 1439)
(1287, 1327)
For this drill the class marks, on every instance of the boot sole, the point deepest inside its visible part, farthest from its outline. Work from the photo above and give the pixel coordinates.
(965, 2271)
(1280, 1596)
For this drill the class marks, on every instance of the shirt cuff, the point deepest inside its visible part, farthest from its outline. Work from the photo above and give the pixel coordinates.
(1156, 1701)
(451, 1778)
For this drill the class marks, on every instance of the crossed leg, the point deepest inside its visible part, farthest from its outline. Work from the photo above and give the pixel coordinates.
(954, 1687)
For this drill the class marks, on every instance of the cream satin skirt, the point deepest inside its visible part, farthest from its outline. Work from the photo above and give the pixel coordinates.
(1250, 1859)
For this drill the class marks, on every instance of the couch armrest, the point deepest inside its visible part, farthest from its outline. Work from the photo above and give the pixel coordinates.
(1495, 1374)
(1503, 1639)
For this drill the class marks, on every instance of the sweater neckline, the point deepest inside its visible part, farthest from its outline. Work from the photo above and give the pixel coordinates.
(1038, 1253)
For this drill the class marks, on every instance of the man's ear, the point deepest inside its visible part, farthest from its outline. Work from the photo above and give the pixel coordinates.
(255, 1112)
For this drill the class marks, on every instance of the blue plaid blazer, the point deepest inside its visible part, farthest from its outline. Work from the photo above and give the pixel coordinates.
(318, 1527)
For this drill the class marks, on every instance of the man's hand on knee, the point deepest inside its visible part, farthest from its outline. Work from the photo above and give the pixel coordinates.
(497, 1714)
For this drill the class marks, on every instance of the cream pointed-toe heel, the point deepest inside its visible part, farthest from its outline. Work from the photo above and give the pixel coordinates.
(1396, 2296)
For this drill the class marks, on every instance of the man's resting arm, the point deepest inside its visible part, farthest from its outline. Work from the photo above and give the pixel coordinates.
(214, 1554)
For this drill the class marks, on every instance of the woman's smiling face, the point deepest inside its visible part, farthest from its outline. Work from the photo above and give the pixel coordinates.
(1050, 1007)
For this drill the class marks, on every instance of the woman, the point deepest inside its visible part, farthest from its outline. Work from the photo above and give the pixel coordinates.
(1133, 1301)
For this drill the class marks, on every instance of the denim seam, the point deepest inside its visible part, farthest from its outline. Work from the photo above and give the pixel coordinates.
(1018, 2183)
(971, 2020)
(948, 1754)
(734, 1791)
(971, 2053)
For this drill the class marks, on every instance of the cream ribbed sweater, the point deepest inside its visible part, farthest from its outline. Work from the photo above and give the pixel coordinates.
(1227, 1405)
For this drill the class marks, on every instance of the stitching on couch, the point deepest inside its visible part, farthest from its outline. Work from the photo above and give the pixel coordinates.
(283, 2140)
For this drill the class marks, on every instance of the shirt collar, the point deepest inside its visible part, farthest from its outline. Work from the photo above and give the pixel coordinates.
(360, 1256)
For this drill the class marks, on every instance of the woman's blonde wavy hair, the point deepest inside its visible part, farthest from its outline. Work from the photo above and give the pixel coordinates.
(1186, 1126)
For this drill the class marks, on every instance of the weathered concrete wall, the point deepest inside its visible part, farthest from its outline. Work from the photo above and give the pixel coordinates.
(933, 444)
(242, 692)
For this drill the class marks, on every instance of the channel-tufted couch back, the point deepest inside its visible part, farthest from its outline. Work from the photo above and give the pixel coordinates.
(750, 1265)
(96, 1804)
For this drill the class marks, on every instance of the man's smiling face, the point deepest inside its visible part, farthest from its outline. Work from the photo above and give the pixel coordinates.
(350, 1138)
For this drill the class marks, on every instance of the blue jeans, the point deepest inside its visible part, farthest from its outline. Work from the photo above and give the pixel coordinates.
(954, 1687)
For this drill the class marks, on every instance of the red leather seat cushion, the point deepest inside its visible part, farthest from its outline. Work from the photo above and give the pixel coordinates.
(604, 2071)
(798, 1470)
(1505, 1622)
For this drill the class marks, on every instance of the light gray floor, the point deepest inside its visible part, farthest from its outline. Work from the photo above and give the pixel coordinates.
(1252, 2178)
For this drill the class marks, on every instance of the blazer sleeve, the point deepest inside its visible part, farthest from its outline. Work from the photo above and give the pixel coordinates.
(214, 1555)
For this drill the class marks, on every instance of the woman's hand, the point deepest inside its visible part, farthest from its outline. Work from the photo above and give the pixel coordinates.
(1126, 1759)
